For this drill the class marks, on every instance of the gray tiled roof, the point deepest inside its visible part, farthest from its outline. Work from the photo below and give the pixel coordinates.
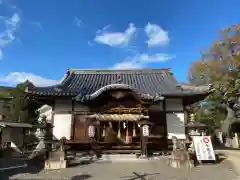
(87, 83)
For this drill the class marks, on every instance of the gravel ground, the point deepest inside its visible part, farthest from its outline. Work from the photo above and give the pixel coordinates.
(151, 170)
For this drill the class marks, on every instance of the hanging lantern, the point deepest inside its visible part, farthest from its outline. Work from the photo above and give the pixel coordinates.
(145, 130)
(91, 131)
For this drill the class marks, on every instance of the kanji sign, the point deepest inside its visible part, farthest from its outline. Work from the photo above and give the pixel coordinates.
(203, 148)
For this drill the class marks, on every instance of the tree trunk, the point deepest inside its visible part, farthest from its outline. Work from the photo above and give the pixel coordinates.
(228, 120)
(230, 114)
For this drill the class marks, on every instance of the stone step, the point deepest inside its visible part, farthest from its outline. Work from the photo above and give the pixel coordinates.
(118, 157)
(128, 157)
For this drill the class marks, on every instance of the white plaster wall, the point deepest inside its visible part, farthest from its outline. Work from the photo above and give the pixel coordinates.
(62, 119)
(175, 125)
(174, 105)
(14, 135)
(62, 126)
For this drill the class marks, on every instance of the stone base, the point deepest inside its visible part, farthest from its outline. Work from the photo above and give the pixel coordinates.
(53, 164)
(143, 157)
(181, 164)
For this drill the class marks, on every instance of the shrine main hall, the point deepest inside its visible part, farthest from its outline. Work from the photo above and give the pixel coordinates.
(118, 108)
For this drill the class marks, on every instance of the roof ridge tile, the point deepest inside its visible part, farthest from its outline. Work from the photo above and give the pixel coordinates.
(116, 71)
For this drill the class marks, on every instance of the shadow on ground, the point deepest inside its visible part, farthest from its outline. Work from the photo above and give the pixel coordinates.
(220, 157)
(80, 163)
(81, 177)
(80, 160)
(226, 148)
(19, 166)
(139, 176)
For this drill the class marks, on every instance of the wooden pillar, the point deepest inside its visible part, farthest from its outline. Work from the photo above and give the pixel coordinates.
(23, 140)
(98, 135)
(104, 130)
(166, 128)
(141, 141)
(73, 121)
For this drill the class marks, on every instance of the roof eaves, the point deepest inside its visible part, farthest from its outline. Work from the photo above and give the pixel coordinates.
(15, 124)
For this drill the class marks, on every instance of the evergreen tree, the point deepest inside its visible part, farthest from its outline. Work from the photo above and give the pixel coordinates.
(21, 108)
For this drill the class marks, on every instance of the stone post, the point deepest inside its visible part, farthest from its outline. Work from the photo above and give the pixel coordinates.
(145, 135)
(220, 136)
(236, 139)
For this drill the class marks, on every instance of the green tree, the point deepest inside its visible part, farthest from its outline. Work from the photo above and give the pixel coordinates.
(5, 92)
(220, 66)
(21, 108)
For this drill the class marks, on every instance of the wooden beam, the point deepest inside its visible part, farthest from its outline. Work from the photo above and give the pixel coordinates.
(165, 117)
(73, 121)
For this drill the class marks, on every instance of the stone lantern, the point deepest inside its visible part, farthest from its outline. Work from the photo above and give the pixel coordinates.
(145, 131)
(194, 127)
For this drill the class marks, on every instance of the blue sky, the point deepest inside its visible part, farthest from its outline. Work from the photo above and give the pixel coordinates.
(41, 39)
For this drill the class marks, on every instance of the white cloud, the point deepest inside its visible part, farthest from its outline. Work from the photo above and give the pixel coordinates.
(90, 43)
(156, 35)
(77, 22)
(7, 36)
(37, 24)
(115, 38)
(105, 28)
(141, 60)
(15, 78)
